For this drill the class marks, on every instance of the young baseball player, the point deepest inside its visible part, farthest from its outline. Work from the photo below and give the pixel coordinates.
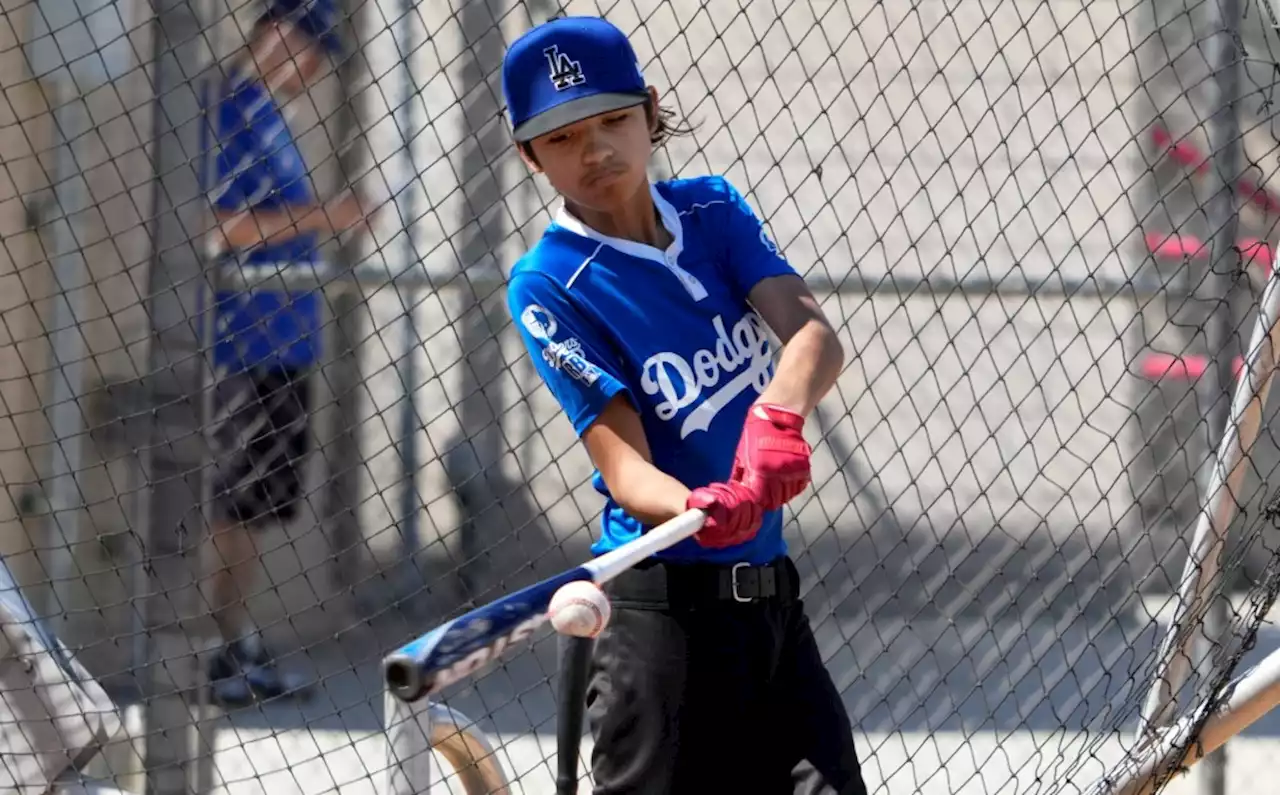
(266, 219)
(647, 310)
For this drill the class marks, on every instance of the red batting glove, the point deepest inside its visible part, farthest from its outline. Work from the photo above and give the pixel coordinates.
(773, 458)
(733, 517)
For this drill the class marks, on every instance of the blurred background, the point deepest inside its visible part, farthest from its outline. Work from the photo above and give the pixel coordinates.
(1037, 224)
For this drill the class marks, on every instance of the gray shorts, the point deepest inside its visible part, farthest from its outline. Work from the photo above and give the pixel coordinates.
(259, 437)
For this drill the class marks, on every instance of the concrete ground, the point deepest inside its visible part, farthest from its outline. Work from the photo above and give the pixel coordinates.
(955, 709)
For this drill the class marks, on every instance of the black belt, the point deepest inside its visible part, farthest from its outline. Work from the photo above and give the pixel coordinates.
(691, 584)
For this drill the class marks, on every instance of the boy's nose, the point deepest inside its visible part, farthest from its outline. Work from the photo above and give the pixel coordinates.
(595, 150)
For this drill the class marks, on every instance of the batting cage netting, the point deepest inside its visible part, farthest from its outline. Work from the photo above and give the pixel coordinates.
(1039, 551)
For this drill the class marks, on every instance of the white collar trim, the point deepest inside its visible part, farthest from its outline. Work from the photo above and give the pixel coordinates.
(668, 259)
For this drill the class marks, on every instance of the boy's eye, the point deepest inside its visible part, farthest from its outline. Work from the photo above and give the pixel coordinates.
(616, 119)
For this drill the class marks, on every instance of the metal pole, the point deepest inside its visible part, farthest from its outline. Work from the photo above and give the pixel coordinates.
(415, 730)
(66, 344)
(1216, 288)
(177, 305)
(932, 287)
(200, 771)
(342, 492)
(1248, 699)
(1225, 478)
(1217, 621)
(407, 203)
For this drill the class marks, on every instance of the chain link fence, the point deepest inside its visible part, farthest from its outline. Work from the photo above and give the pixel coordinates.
(1013, 211)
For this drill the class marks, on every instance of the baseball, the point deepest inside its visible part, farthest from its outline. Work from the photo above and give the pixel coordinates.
(579, 609)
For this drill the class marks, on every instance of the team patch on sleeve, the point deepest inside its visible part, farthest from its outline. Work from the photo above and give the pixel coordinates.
(541, 324)
(567, 356)
(570, 350)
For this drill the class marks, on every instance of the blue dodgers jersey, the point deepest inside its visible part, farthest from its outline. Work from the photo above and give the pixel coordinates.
(256, 164)
(672, 330)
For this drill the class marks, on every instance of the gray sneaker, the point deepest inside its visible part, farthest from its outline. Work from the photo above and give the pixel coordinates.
(238, 676)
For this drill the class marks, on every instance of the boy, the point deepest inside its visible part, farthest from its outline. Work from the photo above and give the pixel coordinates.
(266, 218)
(645, 308)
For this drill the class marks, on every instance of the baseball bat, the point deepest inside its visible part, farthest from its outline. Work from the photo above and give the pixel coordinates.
(463, 646)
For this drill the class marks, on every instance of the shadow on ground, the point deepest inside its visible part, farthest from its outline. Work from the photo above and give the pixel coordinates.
(1016, 654)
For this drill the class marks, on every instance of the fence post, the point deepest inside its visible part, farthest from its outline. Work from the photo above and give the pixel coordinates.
(474, 456)
(175, 759)
(410, 582)
(1218, 289)
(341, 500)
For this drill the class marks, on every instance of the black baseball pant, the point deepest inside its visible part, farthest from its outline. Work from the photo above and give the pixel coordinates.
(709, 680)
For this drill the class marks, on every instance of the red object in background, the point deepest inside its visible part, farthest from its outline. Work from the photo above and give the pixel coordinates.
(1184, 153)
(1255, 251)
(1175, 246)
(1158, 366)
(1188, 155)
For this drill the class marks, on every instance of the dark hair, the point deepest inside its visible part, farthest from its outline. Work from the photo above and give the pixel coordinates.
(271, 17)
(669, 126)
(265, 19)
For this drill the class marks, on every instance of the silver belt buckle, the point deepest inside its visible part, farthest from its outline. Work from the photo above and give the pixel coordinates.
(733, 582)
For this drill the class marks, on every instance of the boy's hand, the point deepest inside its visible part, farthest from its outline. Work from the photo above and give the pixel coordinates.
(772, 461)
(733, 517)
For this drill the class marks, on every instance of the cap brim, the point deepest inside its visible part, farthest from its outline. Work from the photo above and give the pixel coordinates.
(575, 110)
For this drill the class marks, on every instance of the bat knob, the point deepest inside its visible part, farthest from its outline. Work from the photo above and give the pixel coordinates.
(403, 679)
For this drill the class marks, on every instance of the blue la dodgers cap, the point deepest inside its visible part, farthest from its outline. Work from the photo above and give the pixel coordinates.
(317, 18)
(566, 70)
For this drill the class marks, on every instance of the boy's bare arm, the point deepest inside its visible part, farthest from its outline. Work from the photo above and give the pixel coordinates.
(245, 229)
(812, 356)
(618, 448)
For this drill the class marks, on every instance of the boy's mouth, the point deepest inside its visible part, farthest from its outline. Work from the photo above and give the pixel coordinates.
(603, 174)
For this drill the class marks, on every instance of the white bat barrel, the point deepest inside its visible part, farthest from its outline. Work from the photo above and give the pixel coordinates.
(418, 730)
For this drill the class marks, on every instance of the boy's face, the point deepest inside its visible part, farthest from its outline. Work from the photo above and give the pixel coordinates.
(288, 59)
(600, 162)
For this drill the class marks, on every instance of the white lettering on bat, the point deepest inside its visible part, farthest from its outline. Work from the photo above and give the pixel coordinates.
(484, 655)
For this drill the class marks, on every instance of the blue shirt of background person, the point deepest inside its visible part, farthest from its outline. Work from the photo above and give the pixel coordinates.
(257, 167)
(647, 309)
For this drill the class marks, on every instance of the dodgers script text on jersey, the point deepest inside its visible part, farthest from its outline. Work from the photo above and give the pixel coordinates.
(671, 330)
(256, 164)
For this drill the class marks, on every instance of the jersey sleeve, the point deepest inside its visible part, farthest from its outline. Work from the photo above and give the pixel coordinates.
(567, 352)
(233, 179)
(752, 255)
(242, 173)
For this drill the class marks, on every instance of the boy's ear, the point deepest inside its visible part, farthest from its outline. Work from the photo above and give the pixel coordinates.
(653, 110)
(526, 154)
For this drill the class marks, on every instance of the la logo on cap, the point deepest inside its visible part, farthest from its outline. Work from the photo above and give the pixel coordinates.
(565, 72)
